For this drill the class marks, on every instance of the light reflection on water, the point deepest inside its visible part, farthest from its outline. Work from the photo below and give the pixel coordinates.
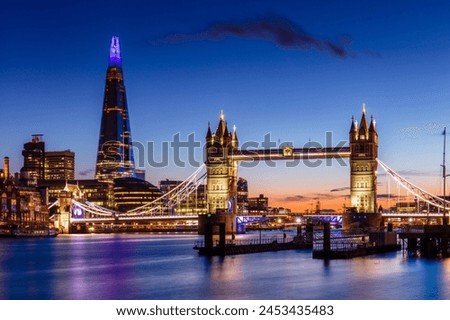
(164, 266)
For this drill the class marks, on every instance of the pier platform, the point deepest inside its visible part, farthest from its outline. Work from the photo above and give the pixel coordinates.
(352, 246)
(233, 247)
(432, 241)
(356, 251)
(223, 247)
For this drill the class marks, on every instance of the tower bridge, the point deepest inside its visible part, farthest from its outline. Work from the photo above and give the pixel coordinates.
(115, 161)
(223, 155)
(220, 171)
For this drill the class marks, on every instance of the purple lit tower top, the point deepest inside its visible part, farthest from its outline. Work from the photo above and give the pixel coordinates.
(114, 53)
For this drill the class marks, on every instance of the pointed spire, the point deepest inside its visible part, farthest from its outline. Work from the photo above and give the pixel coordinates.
(115, 59)
(66, 187)
(234, 138)
(353, 126)
(225, 131)
(226, 135)
(208, 133)
(363, 130)
(373, 135)
(221, 127)
(372, 124)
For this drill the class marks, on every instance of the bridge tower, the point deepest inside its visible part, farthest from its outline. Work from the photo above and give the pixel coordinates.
(65, 210)
(363, 209)
(62, 218)
(221, 188)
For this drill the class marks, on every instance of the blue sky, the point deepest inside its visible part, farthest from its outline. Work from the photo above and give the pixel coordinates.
(54, 58)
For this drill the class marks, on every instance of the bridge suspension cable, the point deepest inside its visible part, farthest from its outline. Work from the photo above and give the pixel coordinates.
(172, 197)
(159, 205)
(95, 209)
(53, 204)
(412, 188)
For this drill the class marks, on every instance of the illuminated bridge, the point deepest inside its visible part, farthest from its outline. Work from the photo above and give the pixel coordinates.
(220, 172)
(83, 212)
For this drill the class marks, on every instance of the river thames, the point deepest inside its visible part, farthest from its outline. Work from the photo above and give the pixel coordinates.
(165, 267)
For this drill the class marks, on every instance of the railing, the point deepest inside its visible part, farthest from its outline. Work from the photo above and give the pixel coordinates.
(412, 229)
(247, 242)
(344, 243)
(413, 215)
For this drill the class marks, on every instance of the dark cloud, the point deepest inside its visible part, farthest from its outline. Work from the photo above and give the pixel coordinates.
(310, 197)
(385, 195)
(392, 196)
(283, 32)
(294, 198)
(325, 196)
(340, 189)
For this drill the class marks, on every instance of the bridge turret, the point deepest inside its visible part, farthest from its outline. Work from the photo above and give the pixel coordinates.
(353, 133)
(373, 135)
(209, 136)
(363, 131)
(363, 171)
(220, 131)
(221, 185)
(62, 218)
(219, 167)
(226, 136)
(234, 139)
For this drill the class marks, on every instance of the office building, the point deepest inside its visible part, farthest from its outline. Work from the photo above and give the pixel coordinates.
(33, 160)
(115, 153)
(59, 165)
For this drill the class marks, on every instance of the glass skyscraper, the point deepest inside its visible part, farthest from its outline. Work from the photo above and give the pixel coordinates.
(115, 153)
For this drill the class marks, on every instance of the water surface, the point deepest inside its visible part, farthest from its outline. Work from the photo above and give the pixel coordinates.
(164, 266)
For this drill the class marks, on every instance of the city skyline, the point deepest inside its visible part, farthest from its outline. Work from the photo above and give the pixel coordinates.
(183, 66)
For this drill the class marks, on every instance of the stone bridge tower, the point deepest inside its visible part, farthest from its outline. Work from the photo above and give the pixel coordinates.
(363, 211)
(221, 188)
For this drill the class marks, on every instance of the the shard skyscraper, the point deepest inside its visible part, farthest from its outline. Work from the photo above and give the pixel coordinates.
(115, 153)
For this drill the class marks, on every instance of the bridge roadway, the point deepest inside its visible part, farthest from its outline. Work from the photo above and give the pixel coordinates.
(412, 215)
(288, 153)
(242, 218)
(245, 218)
(135, 218)
(391, 215)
